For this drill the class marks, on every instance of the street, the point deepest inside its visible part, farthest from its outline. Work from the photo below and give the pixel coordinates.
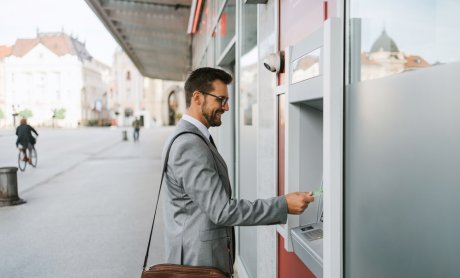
(89, 204)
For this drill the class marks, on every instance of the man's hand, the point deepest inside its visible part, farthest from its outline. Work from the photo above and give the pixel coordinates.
(298, 201)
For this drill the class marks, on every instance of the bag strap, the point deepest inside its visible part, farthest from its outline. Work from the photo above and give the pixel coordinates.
(159, 191)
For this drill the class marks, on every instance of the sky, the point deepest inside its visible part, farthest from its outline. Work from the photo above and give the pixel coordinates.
(22, 18)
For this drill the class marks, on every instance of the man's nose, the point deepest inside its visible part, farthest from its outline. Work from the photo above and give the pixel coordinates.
(226, 107)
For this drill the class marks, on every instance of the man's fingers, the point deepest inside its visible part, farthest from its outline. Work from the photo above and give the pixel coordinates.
(308, 197)
(298, 201)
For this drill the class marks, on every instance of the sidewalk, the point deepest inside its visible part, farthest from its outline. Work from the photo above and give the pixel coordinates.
(7, 132)
(90, 219)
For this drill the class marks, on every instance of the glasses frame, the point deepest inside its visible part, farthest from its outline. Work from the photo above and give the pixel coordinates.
(223, 100)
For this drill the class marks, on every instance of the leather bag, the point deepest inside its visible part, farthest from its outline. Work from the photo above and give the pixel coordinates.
(182, 271)
(175, 270)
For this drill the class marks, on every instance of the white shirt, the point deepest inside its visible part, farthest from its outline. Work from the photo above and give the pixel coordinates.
(201, 127)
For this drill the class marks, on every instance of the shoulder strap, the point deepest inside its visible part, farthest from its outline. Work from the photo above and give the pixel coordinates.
(159, 190)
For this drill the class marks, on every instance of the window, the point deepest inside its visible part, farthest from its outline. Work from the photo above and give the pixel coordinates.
(397, 37)
(248, 64)
(225, 29)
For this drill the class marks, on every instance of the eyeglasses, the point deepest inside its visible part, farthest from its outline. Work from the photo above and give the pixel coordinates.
(223, 100)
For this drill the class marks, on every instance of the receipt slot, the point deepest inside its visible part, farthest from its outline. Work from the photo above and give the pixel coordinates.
(314, 137)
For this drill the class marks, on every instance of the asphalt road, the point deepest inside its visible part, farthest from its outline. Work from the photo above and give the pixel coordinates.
(89, 205)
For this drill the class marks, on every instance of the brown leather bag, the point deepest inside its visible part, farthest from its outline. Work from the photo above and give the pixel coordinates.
(175, 270)
(182, 271)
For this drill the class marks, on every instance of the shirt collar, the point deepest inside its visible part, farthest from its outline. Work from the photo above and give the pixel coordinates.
(201, 127)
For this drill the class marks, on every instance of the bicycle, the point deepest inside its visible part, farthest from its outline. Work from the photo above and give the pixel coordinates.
(32, 158)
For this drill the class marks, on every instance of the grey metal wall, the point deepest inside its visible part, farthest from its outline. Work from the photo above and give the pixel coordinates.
(402, 177)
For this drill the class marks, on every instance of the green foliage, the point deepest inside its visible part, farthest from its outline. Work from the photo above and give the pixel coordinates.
(26, 113)
(128, 112)
(59, 113)
(92, 122)
(2, 115)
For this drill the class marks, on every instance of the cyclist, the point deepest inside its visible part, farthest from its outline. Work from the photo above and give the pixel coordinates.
(25, 138)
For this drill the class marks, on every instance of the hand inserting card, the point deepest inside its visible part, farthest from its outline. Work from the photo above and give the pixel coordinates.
(318, 192)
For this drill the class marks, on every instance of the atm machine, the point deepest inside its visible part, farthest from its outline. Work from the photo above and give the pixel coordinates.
(314, 137)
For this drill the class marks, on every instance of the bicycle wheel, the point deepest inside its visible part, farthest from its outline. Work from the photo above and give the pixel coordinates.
(33, 157)
(21, 162)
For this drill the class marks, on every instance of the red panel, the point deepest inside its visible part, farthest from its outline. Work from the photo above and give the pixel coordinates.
(197, 16)
(289, 265)
(325, 10)
(223, 25)
(298, 19)
(281, 139)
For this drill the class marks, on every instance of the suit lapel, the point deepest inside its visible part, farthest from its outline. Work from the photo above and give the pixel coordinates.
(186, 126)
(219, 157)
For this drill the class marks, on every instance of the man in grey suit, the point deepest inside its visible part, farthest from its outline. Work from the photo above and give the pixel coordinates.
(200, 212)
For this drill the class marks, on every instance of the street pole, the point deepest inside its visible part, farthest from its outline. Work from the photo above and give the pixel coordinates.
(14, 115)
(14, 119)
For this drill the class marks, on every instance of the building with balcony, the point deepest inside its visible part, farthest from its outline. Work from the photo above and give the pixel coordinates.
(53, 81)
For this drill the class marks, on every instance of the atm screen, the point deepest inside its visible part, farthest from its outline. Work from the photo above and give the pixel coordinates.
(306, 67)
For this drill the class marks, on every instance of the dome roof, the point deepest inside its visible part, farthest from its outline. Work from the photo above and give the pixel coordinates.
(384, 43)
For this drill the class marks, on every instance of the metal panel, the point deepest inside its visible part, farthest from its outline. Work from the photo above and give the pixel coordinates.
(333, 147)
(402, 177)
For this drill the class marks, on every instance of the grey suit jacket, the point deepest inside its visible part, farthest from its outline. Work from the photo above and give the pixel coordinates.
(198, 210)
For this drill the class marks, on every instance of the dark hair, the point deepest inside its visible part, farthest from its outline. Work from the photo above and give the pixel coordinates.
(201, 80)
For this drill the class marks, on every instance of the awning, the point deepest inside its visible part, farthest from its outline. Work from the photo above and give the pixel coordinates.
(153, 33)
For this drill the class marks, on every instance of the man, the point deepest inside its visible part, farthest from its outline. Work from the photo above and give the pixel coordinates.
(199, 211)
(25, 138)
(137, 127)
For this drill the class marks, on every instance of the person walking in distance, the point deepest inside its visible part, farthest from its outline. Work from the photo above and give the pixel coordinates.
(199, 210)
(137, 127)
(25, 138)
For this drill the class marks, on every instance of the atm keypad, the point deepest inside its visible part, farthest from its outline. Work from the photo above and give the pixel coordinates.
(314, 234)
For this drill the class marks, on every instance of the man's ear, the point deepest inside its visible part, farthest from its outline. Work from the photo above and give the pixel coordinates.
(196, 97)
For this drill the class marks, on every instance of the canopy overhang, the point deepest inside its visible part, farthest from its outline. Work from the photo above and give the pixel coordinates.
(153, 33)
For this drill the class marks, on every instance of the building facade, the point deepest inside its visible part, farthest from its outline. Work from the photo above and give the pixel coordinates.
(155, 102)
(53, 81)
(357, 92)
(127, 92)
(164, 101)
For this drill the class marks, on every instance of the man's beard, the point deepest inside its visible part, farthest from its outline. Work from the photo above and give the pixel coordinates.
(212, 116)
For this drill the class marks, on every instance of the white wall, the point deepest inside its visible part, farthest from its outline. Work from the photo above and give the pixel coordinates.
(41, 81)
(127, 93)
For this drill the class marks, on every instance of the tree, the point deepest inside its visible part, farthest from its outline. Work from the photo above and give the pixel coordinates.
(59, 113)
(2, 115)
(26, 113)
